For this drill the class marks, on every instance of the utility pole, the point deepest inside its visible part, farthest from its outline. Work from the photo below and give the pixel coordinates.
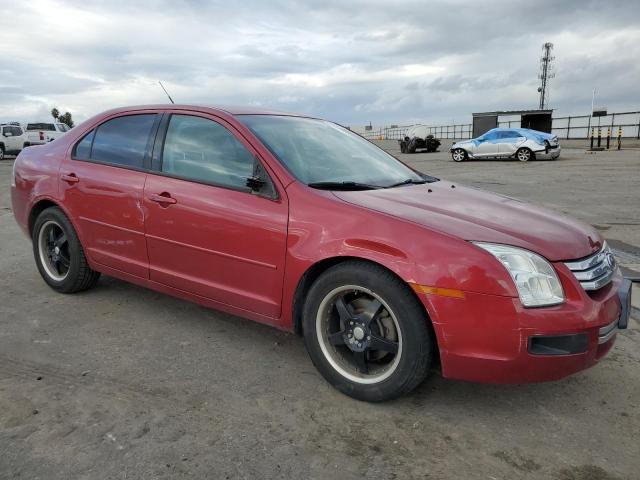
(546, 73)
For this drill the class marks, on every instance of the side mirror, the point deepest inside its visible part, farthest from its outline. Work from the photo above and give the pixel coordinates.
(260, 183)
(255, 183)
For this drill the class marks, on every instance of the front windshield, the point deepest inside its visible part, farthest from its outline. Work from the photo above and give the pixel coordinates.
(317, 152)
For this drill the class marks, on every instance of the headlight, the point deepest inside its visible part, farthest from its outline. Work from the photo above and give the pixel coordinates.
(535, 278)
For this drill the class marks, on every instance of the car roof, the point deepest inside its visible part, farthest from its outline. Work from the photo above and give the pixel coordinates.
(226, 109)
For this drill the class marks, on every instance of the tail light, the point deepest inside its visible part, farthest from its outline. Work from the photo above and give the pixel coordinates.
(41, 136)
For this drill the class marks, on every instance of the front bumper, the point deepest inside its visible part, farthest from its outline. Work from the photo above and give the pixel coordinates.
(489, 338)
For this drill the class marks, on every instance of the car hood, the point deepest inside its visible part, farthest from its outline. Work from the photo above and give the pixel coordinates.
(472, 214)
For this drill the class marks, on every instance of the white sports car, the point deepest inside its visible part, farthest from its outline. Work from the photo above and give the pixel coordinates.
(520, 143)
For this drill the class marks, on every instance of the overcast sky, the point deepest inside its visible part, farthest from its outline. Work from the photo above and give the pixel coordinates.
(350, 61)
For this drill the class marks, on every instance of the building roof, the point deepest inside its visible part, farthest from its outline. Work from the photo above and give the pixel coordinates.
(514, 112)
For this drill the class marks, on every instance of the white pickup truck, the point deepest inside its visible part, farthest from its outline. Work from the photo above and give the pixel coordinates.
(12, 139)
(39, 133)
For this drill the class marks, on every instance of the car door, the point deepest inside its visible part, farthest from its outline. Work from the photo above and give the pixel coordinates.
(487, 145)
(509, 141)
(18, 138)
(10, 139)
(207, 232)
(102, 184)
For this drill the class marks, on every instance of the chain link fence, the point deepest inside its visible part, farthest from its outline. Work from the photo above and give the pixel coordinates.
(568, 127)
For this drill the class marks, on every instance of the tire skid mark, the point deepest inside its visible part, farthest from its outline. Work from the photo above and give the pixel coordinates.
(23, 369)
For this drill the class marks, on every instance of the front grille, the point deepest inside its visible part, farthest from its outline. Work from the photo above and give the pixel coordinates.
(595, 271)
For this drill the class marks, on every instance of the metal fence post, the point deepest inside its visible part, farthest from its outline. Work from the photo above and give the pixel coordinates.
(568, 126)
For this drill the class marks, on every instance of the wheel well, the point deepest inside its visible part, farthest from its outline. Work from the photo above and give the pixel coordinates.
(37, 209)
(318, 269)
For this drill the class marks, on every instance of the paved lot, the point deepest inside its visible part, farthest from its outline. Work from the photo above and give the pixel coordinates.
(124, 383)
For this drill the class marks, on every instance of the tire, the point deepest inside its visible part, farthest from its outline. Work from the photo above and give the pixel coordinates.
(524, 155)
(59, 255)
(458, 155)
(1, 152)
(370, 357)
(412, 146)
(403, 146)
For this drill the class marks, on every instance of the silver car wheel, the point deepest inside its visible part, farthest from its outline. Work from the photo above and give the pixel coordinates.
(524, 154)
(458, 155)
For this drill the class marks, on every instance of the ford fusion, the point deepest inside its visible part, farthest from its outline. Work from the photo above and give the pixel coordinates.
(301, 224)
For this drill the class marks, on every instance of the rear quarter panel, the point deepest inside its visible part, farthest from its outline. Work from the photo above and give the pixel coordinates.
(36, 171)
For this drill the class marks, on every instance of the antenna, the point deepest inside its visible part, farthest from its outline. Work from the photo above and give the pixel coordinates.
(165, 91)
(546, 73)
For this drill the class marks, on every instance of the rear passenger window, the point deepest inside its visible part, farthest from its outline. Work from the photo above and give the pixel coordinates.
(122, 140)
(82, 150)
(202, 150)
(47, 127)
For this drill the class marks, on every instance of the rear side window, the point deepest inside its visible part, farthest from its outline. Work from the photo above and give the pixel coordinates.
(15, 131)
(512, 134)
(121, 141)
(82, 150)
(63, 127)
(199, 149)
(47, 127)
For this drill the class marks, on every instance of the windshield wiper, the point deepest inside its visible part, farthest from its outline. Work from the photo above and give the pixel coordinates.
(408, 181)
(343, 186)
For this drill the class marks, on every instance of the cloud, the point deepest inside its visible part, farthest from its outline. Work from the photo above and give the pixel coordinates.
(352, 62)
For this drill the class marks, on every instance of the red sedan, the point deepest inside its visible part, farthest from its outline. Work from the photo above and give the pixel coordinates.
(301, 224)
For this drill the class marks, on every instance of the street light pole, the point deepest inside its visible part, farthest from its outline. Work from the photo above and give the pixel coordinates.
(593, 98)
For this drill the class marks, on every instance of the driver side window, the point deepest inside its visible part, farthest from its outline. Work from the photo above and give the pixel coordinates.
(202, 150)
(489, 136)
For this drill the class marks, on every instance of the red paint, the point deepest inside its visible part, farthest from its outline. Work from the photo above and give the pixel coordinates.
(246, 255)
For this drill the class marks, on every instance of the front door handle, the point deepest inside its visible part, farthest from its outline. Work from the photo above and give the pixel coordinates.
(70, 178)
(163, 199)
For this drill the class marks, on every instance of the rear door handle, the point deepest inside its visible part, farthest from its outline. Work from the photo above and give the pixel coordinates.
(163, 198)
(70, 178)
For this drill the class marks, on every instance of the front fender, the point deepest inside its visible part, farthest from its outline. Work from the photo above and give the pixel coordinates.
(323, 227)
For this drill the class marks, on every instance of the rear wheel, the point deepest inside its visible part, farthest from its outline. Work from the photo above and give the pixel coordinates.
(458, 155)
(366, 332)
(524, 155)
(59, 255)
(1, 152)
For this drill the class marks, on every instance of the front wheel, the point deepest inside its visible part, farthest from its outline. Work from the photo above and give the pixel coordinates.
(458, 155)
(59, 255)
(366, 332)
(1, 152)
(524, 155)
